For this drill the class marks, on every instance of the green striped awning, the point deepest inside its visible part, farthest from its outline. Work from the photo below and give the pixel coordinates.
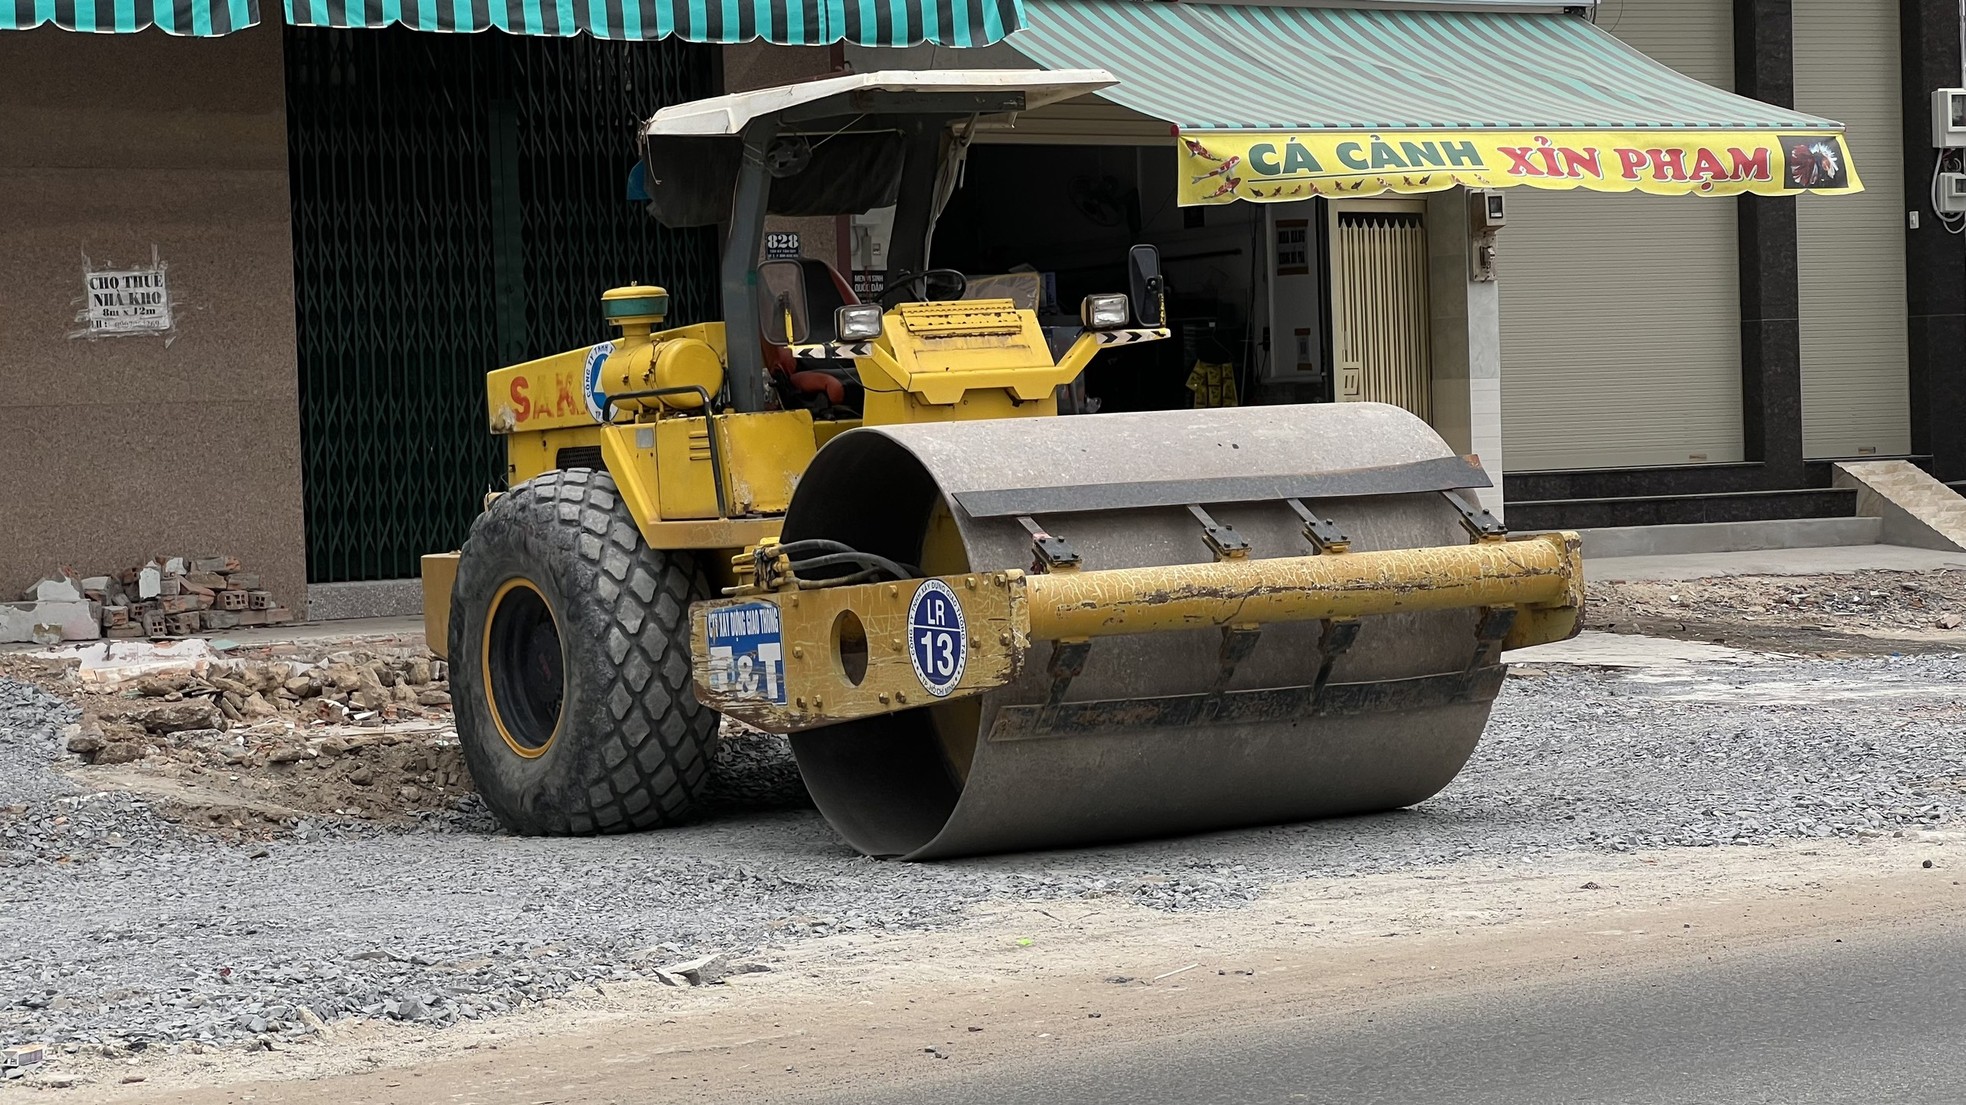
(1281, 102)
(787, 22)
(1210, 67)
(203, 18)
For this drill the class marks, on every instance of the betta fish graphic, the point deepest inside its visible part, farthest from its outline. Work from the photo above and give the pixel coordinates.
(1814, 164)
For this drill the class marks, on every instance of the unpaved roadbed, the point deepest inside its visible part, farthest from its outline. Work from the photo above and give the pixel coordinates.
(1869, 613)
(133, 937)
(1024, 979)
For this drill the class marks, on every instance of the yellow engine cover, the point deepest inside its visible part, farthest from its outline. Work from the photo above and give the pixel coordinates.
(666, 468)
(659, 366)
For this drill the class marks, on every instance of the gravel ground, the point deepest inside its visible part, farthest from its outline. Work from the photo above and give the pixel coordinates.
(124, 933)
(1868, 613)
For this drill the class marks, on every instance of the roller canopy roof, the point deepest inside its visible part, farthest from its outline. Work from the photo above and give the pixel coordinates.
(838, 143)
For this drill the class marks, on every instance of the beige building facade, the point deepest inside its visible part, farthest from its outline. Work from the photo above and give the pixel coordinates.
(118, 449)
(1635, 351)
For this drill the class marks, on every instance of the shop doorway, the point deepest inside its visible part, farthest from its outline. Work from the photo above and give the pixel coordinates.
(1381, 339)
(1067, 215)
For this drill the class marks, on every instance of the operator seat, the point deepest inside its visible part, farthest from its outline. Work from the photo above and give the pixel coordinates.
(830, 386)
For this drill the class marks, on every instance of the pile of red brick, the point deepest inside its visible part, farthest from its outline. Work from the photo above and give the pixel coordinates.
(180, 596)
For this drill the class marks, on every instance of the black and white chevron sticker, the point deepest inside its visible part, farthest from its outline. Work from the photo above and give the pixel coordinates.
(1128, 337)
(820, 351)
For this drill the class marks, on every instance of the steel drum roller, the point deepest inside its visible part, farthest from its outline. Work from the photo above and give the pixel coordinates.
(1149, 738)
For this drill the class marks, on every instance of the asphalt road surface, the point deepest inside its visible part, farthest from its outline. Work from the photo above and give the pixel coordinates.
(1879, 1019)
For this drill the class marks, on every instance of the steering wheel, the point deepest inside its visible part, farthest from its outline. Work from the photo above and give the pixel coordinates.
(917, 284)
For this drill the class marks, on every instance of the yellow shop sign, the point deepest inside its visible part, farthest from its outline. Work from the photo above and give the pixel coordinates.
(1225, 166)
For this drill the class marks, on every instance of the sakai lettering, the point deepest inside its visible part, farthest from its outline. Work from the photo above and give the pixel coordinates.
(560, 397)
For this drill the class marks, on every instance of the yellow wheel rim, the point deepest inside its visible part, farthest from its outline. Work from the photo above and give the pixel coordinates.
(522, 666)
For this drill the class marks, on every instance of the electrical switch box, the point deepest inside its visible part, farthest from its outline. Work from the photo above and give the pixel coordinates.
(1949, 119)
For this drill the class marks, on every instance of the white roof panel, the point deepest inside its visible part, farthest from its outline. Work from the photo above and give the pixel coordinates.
(727, 115)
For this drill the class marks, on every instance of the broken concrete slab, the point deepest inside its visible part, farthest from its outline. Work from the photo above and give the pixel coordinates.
(111, 663)
(694, 972)
(49, 622)
(54, 589)
(22, 1055)
(1595, 649)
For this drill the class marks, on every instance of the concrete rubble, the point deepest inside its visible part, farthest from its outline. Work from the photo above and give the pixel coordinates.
(169, 597)
(701, 971)
(165, 690)
(15, 1061)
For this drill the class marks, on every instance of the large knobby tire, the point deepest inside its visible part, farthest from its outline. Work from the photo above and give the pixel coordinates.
(569, 659)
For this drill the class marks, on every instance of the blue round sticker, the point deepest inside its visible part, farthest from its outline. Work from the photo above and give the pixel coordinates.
(596, 397)
(938, 642)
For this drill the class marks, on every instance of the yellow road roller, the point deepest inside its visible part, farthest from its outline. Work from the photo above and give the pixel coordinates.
(984, 626)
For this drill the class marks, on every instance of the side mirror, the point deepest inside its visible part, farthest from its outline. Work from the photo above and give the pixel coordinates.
(942, 285)
(783, 310)
(1145, 287)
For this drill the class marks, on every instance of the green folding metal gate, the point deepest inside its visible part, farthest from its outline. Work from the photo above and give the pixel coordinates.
(459, 203)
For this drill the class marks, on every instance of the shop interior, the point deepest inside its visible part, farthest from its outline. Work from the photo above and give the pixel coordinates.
(1057, 221)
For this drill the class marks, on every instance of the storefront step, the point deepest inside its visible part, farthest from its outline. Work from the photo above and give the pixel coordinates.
(1666, 510)
(1725, 537)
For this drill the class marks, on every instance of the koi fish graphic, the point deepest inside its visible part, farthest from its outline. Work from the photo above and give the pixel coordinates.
(1226, 167)
(1196, 149)
(1228, 186)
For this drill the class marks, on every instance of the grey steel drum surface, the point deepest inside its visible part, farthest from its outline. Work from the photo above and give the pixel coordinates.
(1400, 717)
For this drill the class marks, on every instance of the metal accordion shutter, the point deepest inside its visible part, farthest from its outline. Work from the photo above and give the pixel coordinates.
(1621, 319)
(1379, 303)
(457, 206)
(1850, 259)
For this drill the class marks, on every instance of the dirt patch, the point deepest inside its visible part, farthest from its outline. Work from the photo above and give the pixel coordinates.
(1852, 614)
(260, 742)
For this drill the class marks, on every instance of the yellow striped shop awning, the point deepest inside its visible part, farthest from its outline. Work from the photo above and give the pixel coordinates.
(1272, 102)
(787, 22)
